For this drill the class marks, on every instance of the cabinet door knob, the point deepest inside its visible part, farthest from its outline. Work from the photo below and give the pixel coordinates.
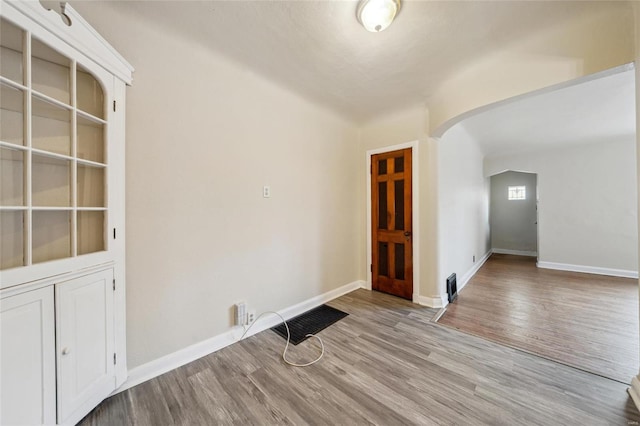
(65, 351)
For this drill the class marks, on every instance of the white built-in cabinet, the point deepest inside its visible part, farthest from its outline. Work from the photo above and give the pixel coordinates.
(62, 272)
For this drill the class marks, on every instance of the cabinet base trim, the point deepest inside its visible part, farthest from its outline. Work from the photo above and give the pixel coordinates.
(184, 356)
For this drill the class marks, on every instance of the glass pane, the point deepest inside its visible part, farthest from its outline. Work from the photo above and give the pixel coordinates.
(90, 232)
(50, 72)
(90, 186)
(12, 177)
(51, 235)
(11, 51)
(11, 239)
(382, 167)
(89, 94)
(90, 140)
(399, 252)
(398, 164)
(383, 259)
(51, 127)
(399, 203)
(11, 115)
(51, 182)
(382, 205)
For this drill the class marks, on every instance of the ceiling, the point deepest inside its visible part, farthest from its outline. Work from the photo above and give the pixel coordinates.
(319, 50)
(592, 111)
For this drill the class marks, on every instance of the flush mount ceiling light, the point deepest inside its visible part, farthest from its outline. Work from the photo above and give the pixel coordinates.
(376, 15)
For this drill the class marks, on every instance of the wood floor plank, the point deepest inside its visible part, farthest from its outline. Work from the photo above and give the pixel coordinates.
(583, 320)
(385, 364)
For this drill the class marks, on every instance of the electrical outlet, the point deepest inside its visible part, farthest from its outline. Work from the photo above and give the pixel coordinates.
(241, 313)
(266, 191)
(251, 317)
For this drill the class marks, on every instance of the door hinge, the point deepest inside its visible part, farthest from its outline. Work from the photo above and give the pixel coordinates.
(371, 267)
(371, 168)
(114, 284)
(114, 106)
(114, 358)
(114, 233)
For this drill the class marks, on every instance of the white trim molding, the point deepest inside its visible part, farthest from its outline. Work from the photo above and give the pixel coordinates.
(588, 269)
(515, 252)
(191, 353)
(415, 204)
(441, 301)
(77, 32)
(431, 301)
(634, 391)
(464, 279)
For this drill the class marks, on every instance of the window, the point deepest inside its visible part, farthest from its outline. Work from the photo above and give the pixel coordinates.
(517, 193)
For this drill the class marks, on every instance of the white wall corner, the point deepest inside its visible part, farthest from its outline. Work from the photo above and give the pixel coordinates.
(588, 269)
(634, 391)
(191, 353)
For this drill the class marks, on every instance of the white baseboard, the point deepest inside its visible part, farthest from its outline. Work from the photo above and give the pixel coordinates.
(442, 300)
(588, 269)
(515, 252)
(471, 272)
(634, 391)
(184, 356)
(431, 302)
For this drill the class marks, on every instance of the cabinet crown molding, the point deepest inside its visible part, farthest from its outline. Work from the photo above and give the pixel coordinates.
(75, 32)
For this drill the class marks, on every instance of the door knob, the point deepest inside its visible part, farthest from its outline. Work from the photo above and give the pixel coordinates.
(65, 351)
(407, 234)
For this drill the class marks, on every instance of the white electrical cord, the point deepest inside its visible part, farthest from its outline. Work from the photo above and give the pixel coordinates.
(284, 352)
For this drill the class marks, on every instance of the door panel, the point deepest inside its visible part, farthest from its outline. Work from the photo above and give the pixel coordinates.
(392, 250)
(27, 359)
(85, 344)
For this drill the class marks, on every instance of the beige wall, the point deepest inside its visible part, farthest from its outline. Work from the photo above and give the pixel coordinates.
(599, 39)
(203, 137)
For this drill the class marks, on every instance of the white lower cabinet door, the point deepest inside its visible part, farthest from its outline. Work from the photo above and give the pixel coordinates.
(27, 359)
(84, 344)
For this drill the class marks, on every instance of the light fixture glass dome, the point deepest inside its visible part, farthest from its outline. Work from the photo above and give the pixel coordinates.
(376, 15)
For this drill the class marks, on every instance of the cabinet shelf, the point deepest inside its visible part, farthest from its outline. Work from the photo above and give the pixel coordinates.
(52, 209)
(12, 83)
(90, 117)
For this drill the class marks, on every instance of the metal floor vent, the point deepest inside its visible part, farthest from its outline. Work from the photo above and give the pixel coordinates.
(311, 322)
(452, 287)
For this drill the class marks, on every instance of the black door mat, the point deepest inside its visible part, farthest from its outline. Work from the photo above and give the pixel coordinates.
(311, 322)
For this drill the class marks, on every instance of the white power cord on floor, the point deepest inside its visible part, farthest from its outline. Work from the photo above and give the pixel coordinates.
(286, 347)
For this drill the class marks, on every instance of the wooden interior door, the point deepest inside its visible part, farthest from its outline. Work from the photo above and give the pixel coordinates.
(391, 213)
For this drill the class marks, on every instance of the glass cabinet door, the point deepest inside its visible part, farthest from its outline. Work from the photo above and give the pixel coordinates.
(53, 153)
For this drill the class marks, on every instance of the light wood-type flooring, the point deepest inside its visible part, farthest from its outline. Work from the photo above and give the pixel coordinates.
(584, 320)
(386, 363)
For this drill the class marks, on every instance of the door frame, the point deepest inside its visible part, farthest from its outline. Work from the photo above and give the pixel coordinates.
(415, 217)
